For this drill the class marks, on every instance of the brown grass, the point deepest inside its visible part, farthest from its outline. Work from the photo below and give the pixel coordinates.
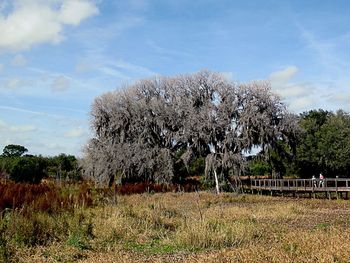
(199, 227)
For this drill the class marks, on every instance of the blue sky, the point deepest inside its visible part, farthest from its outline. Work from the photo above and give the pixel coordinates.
(56, 56)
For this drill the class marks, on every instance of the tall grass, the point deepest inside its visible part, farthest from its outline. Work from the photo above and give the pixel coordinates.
(40, 215)
(42, 198)
(186, 227)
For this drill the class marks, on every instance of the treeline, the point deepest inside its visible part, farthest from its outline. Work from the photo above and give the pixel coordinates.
(166, 130)
(322, 146)
(18, 166)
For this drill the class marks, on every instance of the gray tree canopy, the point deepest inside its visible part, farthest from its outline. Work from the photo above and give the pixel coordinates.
(139, 129)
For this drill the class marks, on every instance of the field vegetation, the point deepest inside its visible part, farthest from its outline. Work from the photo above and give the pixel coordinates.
(159, 148)
(82, 224)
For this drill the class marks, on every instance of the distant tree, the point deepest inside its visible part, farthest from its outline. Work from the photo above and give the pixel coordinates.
(334, 145)
(325, 143)
(13, 150)
(140, 130)
(307, 152)
(28, 169)
(63, 166)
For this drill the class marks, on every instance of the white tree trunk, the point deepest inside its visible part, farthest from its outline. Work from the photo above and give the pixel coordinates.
(216, 182)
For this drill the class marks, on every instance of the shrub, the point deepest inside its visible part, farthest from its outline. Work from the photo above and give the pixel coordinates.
(28, 169)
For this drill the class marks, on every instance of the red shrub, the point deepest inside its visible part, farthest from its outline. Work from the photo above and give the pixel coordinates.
(42, 197)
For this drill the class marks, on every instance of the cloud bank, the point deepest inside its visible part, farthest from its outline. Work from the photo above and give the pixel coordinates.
(296, 94)
(26, 23)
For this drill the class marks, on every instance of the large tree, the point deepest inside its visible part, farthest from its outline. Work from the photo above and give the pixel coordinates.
(140, 130)
(325, 143)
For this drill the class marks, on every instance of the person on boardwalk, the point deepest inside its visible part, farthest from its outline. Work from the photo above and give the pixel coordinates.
(321, 180)
(314, 183)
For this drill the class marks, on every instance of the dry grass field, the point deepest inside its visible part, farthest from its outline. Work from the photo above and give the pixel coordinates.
(182, 227)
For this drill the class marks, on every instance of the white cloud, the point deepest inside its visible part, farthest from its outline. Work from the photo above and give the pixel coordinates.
(288, 90)
(25, 111)
(166, 52)
(72, 12)
(23, 128)
(330, 57)
(60, 83)
(112, 72)
(19, 61)
(41, 132)
(32, 22)
(284, 75)
(121, 69)
(281, 83)
(343, 98)
(75, 132)
(14, 83)
(82, 67)
(16, 128)
(131, 67)
(301, 104)
(297, 95)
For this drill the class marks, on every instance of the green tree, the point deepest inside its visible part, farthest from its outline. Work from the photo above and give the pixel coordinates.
(334, 145)
(257, 165)
(13, 150)
(325, 143)
(308, 154)
(63, 166)
(28, 169)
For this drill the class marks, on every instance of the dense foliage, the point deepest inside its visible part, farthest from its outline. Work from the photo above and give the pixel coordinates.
(14, 150)
(323, 146)
(325, 143)
(28, 169)
(32, 169)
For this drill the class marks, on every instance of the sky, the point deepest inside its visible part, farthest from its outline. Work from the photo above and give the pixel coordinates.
(56, 56)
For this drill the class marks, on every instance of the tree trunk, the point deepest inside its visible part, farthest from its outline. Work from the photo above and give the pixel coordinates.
(216, 182)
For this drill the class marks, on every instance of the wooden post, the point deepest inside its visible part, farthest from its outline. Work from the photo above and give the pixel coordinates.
(296, 182)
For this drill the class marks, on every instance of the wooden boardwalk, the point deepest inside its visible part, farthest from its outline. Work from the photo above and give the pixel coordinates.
(339, 186)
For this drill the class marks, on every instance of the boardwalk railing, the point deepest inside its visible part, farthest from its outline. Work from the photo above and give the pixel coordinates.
(327, 185)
